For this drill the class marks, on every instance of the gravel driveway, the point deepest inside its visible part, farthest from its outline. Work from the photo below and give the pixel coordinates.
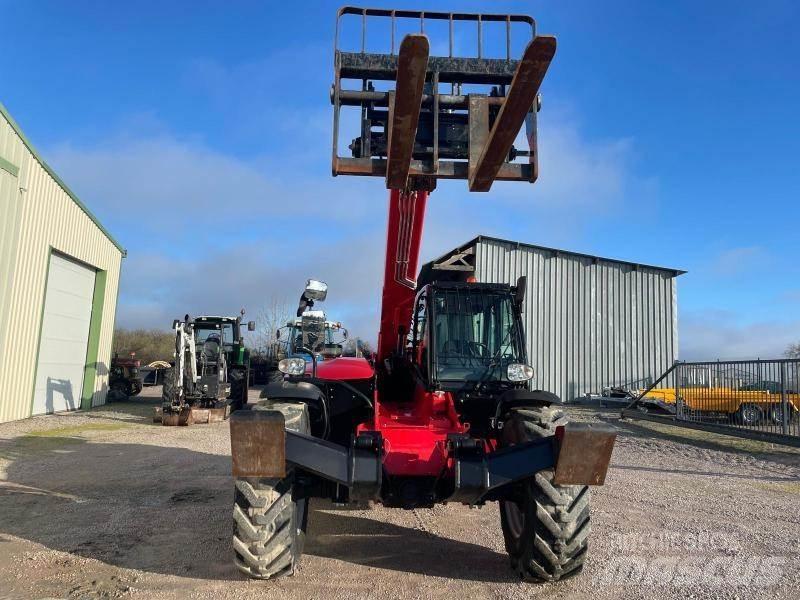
(107, 504)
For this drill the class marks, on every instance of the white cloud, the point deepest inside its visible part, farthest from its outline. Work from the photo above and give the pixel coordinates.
(576, 173)
(210, 232)
(711, 335)
(738, 261)
(178, 188)
(157, 288)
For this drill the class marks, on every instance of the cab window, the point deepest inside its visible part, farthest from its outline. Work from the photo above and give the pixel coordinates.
(227, 334)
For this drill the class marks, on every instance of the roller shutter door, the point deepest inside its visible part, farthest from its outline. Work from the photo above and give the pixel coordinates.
(64, 336)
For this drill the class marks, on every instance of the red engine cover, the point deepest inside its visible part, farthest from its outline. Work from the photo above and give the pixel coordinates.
(343, 369)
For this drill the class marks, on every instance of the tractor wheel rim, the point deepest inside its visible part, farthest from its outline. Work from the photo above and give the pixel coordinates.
(515, 518)
(750, 415)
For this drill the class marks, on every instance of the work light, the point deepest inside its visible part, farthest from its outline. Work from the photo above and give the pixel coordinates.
(519, 372)
(292, 366)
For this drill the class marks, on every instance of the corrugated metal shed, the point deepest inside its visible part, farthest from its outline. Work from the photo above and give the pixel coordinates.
(39, 216)
(590, 322)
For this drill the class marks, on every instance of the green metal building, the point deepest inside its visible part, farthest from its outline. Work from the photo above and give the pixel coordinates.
(59, 276)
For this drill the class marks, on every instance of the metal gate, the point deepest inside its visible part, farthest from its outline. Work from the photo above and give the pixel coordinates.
(756, 398)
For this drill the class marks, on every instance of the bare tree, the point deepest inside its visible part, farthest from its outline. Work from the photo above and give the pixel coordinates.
(793, 351)
(365, 347)
(357, 347)
(147, 344)
(271, 317)
(349, 348)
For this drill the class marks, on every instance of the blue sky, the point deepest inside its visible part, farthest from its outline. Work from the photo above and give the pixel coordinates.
(199, 133)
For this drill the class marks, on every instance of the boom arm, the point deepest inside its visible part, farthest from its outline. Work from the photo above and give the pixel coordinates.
(185, 357)
(403, 239)
(414, 135)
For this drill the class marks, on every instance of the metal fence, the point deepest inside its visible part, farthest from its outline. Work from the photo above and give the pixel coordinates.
(757, 399)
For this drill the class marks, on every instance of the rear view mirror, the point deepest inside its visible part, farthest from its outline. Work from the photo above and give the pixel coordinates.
(251, 326)
(316, 290)
(519, 292)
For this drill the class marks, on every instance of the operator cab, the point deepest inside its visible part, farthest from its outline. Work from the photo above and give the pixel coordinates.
(468, 336)
(313, 332)
(219, 334)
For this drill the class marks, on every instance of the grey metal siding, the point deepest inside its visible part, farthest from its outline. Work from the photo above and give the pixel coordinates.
(590, 323)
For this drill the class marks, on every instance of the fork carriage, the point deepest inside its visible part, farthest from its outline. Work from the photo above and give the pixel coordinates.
(458, 135)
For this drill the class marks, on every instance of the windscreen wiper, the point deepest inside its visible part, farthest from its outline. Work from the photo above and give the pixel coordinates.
(493, 363)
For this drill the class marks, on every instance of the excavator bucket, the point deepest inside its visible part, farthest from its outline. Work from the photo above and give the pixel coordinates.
(210, 415)
(174, 418)
(414, 134)
(189, 415)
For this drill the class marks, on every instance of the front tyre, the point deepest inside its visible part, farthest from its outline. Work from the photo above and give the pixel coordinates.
(545, 526)
(268, 527)
(270, 515)
(238, 395)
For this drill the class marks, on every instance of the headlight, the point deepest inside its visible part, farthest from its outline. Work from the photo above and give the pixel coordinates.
(519, 372)
(292, 366)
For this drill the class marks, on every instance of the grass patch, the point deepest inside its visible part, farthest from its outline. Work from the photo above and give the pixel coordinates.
(33, 445)
(732, 442)
(73, 430)
(48, 440)
(790, 487)
(695, 437)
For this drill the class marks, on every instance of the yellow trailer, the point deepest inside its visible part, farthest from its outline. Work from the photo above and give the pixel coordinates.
(749, 407)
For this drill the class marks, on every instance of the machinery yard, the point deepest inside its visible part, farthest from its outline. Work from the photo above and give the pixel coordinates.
(108, 504)
(509, 420)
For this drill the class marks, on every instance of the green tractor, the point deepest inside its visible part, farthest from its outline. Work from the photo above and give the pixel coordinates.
(209, 377)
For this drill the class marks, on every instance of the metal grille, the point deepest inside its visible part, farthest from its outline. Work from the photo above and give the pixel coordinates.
(420, 16)
(757, 398)
(467, 133)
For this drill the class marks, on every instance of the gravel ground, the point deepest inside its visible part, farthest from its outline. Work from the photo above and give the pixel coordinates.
(107, 504)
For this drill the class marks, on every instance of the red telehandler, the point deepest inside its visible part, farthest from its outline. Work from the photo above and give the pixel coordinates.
(447, 414)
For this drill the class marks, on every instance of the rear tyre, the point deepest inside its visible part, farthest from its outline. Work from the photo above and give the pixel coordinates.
(270, 515)
(776, 414)
(545, 526)
(118, 392)
(749, 414)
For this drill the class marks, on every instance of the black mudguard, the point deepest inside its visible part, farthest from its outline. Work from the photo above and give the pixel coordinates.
(521, 398)
(291, 390)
